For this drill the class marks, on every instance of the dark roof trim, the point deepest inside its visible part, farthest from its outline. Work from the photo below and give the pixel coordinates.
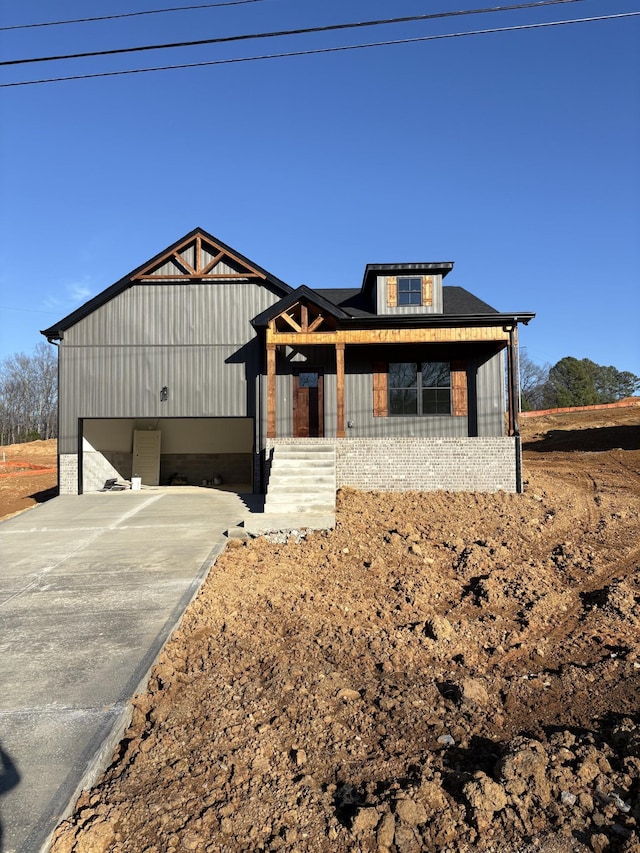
(54, 333)
(294, 296)
(426, 321)
(372, 270)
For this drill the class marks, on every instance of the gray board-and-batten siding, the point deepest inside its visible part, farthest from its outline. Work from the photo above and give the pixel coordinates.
(115, 360)
(485, 379)
(402, 310)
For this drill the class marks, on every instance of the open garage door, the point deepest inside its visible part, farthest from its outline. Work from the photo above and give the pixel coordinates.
(192, 451)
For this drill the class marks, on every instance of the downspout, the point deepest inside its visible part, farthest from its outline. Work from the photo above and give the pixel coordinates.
(57, 345)
(513, 374)
(513, 406)
(261, 450)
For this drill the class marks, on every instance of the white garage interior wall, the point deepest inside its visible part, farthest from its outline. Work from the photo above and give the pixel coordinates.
(192, 450)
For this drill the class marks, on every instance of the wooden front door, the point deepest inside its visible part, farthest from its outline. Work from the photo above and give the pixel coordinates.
(308, 404)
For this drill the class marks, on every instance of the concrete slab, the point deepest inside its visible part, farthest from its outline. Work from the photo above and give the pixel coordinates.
(91, 587)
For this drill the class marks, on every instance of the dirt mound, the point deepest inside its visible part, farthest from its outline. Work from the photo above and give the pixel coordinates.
(28, 475)
(605, 429)
(443, 672)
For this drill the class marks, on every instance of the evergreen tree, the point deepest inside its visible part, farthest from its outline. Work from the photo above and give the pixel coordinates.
(582, 382)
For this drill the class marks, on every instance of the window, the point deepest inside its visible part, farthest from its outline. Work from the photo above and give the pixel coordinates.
(406, 290)
(422, 388)
(410, 290)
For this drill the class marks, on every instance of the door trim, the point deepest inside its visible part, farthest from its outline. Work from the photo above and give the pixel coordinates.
(298, 428)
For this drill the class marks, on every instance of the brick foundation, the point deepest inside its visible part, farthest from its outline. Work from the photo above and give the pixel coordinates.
(68, 473)
(423, 464)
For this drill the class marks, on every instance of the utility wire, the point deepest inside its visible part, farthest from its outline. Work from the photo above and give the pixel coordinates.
(129, 15)
(301, 31)
(320, 50)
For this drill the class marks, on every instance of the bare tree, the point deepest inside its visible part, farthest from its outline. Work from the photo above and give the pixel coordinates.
(29, 395)
(532, 382)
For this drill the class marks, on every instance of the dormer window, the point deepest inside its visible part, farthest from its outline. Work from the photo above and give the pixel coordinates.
(409, 290)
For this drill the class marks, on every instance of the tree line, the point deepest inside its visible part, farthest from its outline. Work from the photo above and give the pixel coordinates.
(572, 382)
(29, 395)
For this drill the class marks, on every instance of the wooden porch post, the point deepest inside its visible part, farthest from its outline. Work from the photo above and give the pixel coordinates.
(271, 390)
(340, 390)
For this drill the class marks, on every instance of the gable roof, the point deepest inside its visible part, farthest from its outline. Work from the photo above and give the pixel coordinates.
(458, 305)
(456, 301)
(372, 271)
(171, 264)
(351, 307)
(313, 296)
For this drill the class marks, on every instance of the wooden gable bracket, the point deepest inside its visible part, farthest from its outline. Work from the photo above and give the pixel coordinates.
(287, 317)
(301, 317)
(201, 267)
(320, 319)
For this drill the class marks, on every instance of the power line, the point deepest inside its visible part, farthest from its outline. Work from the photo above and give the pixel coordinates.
(129, 15)
(300, 31)
(319, 50)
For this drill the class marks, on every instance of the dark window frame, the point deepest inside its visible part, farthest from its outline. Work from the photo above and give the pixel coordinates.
(441, 395)
(409, 295)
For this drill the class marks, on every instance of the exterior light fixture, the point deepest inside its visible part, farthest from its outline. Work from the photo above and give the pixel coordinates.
(164, 394)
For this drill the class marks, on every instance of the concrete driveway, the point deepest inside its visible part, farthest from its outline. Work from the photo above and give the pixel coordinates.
(90, 589)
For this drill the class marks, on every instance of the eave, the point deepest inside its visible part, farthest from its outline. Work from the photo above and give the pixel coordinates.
(371, 271)
(483, 329)
(426, 321)
(55, 332)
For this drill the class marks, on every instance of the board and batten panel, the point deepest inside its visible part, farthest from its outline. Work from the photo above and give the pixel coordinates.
(358, 407)
(381, 297)
(286, 365)
(174, 313)
(487, 388)
(196, 339)
(358, 398)
(491, 395)
(109, 382)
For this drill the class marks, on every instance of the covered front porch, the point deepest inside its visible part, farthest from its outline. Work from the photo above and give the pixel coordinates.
(339, 376)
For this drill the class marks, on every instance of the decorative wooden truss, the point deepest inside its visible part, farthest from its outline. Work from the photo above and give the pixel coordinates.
(303, 318)
(305, 324)
(198, 259)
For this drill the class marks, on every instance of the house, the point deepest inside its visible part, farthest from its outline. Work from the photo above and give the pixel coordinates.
(199, 364)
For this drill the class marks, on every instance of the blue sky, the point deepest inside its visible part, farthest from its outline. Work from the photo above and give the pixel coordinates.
(513, 154)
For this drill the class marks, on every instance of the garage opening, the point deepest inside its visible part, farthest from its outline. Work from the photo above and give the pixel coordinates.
(191, 452)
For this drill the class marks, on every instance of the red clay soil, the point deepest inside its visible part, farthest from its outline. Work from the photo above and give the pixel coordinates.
(28, 475)
(442, 672)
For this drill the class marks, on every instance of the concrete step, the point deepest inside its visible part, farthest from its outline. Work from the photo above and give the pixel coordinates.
(299, 507)
(301, 445)
(303, 453)
(303, 466)
(290, 477)
(302, 479)
(304, 484)
(282, 495)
